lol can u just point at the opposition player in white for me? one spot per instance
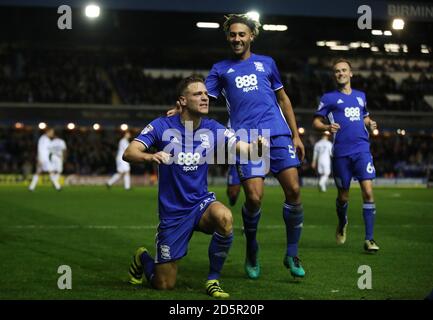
(123, 167)
(322, 160)
(44, 164)
(57, 156)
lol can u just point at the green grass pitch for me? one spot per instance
(95, 231)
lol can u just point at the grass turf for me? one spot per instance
(95, 231)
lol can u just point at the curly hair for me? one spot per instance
(244, 19)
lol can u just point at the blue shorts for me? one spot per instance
(358, 165)
(232, 176)
(282, 156)
(174, 234)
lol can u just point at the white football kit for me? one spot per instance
(44, 162)
(122, 166)
(57, 147)
(322, 154)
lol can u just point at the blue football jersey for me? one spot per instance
(349, 111)
(248, 87)
(183, 183)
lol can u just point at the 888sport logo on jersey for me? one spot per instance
(188, 160)
(247, 82)
(353, 113)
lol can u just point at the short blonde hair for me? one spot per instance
(244, 19)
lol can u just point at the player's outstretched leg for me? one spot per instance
(142, 263)
(251, 212)
(368, 213)
(233, 193)
(251, 221)
(218, 250)
(217, 220)
(293, 214)
(54, 181)
(341, 231)
(34, 182)
(322, 183)
(293, 217)
(127, 181)
(113, 179)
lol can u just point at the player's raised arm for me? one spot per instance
(289, 115)
(136, 152)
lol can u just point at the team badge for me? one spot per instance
(259, 66)
(147, 129)
(204, 141)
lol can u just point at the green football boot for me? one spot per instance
(295, 267)
(252, 271)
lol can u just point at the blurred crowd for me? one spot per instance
(88, 152)
(51, 76)
(93, 153)
(120, 77)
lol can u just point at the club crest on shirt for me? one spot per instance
(147, 129)
(360, 101)
(165, 252)
(259, 66)
(204, 141)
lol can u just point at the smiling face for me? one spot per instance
(342, 73)
(240, 37)
(195, 99)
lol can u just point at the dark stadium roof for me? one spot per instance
(37, 26)
(312, 8)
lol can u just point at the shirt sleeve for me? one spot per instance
(365, 112)
(149, 136)
(324, 107)
(213, 83)
(275, 77)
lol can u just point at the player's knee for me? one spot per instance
(368, 196)
(254, 200)
(233, 194)
(343, 196)
(225, 222)
(293, 194)
(164, 284)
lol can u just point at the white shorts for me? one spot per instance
(57, 165)
(122, 166)
(324, 169)
(45, 166)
